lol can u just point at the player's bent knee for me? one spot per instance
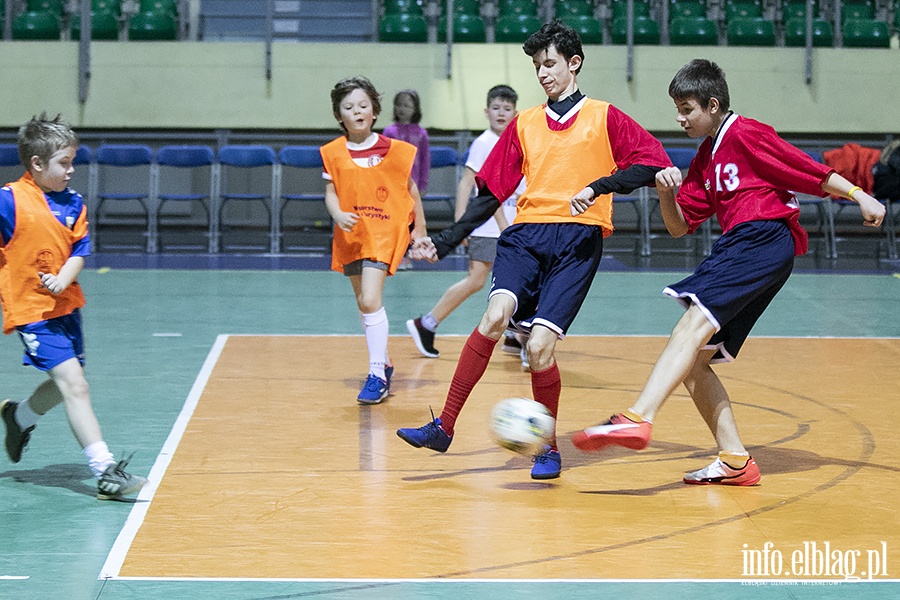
(540, 356)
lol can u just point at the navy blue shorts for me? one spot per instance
(52, 342)
(547, 268)
(737, 281)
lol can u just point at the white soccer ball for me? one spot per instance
(522, 425)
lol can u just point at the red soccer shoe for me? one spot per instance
(618, 431)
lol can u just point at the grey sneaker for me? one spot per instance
(115, 483)
(16, 437)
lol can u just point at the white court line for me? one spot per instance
(123, 542)
(135, 519)
(9, 577)
(774, 580)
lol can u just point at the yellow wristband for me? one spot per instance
(853, 189)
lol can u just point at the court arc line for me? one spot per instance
(868, 448)
(348, 580)
(116, 557)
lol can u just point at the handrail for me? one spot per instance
(84, 51)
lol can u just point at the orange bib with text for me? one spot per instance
(380, 196)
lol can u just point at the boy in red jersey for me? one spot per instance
(546, 260)
(43, 242)
(742, 174)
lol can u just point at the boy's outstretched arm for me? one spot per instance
(667, 182)
(872, 210)
(479, 209)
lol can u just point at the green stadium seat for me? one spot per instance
(152, 26)
(646, 31)
(403, 27)
(796, 10)
(110, 6)
(36, 26)
(574, 8)
(741, 10)
(169, 6)
(745, 31)
(795, 32)
(620, 9)
(686, 8)
(403, 7)
(54, 7)
(515, 29)
(104, 26)
(588, 27)
(466, 29)
(859, 33)
(693, 31)
(466, 7)
(517, 7)
(851, 11)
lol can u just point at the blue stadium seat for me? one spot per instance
(301, 169)
(446, 159)
(173, 188)
(255, 165)
(124, 195)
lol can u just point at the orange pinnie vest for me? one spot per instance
(39, 243)
(380, 196)
(559, 164)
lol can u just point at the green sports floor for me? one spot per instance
(149, 331)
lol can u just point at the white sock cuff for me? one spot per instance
(375, 318)
(25, 416)
(99, 457)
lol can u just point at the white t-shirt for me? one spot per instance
(478, 153)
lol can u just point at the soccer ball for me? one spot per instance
(522, 425)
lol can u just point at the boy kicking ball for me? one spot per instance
(742, 173)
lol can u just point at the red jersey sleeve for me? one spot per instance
(502, 170)
(632, 144)
(692, 197)
(782, 165)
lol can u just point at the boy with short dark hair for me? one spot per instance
(547, 260)
(500, 110)
(742, 173)
(43, 242)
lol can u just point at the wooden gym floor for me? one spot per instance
(237, 392)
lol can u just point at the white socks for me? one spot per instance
(99, 458)
(376, 328)
(429, 322)
(26, 417)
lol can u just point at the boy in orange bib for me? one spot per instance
(372, 200)
(546, 260)
(43, 242)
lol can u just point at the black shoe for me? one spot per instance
(16, 437)
(511, 344)
(423, 338)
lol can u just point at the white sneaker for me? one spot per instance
(720, 473)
